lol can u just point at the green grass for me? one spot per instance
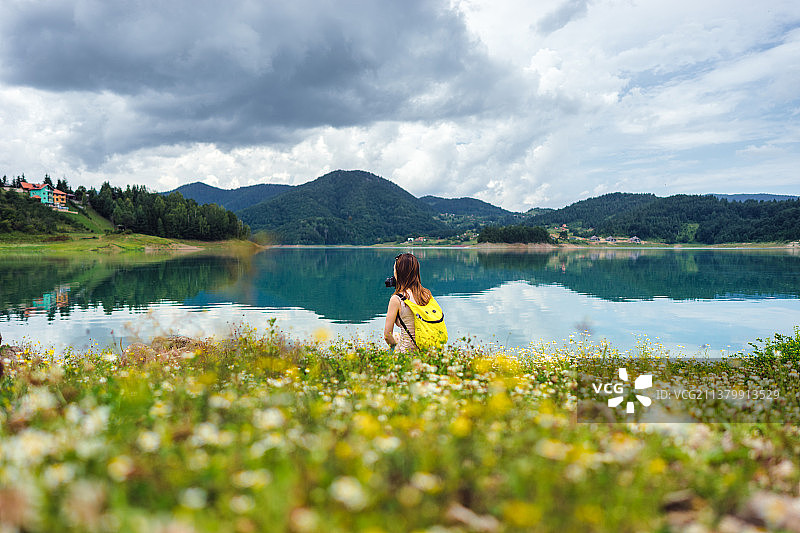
(96, 239)
(259, 433)
(92, 220)
(78, 244)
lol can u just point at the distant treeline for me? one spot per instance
(709, 220)
(141, 211)
(680, 218)
(514, 234)
(19, 212)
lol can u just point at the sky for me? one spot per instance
(521, 103)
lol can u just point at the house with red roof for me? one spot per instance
(43, 191)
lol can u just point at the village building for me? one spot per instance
(49, 196)
(42, 191)
(60, 198)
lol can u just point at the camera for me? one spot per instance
(391, 282)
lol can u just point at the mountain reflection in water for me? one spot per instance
(345, 285)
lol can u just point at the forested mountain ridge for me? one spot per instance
(592, 212)
(344, 207)
(463, 206)
(231, 199)
(759, 197)
(708, 220)
(679, 218)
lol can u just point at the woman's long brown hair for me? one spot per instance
(407, 267)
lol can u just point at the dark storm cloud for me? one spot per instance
(245, 72)
(566, 12)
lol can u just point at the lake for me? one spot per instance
(694, 301)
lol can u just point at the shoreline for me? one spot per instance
(148, 244)
(553, 247)
(115, 244)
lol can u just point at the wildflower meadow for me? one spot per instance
(258, 432)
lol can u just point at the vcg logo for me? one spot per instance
(645, 381)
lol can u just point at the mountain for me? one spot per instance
(679, 218)
(344, 207)
(709, 220)
(231, 199)
(592, 212)
(463, 206)
(760, 197)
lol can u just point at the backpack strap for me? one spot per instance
(403, 299)
(419, 311)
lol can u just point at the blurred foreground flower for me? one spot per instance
(120, 467)
(84, 504)
(322, 334)
(148, 441)
(349, 492)
(193, 498)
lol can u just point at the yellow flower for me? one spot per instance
(589, 514)
(322, 334)
(343, 450)
(367, 424)
(522, 514)
(481, 365)
(461, 426)
(507, 365)
(499, 403)
(657, 466)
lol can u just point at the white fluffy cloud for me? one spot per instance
(518, 103)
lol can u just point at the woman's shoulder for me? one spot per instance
(407, 296)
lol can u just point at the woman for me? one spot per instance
(406, 273)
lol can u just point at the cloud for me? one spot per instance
(516, 103)
(562, 16)
(243, 72)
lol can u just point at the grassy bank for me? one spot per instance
(82, 243)
(256, 433)
(91, 219)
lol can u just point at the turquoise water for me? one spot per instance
(692, 300)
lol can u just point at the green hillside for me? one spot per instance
(463, 206)
(89, 218)
(593, 212)
(679, 218)
(708, 220)
(344, 207)
(21, 214)
(464, 215)
(231, 199)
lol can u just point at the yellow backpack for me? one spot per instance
(429, 328)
